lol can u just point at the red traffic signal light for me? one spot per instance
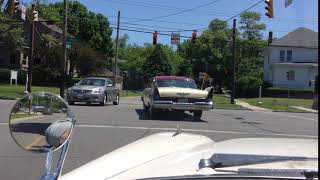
(269, 8)
(16, 6)
(155, 37)
(194, 36)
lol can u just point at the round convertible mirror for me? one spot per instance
(41, 122)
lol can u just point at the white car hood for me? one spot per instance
(163, 154)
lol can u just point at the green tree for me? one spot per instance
(91, 28)
(250, 26)
(249, 58)
(11, 33)
(157, 64)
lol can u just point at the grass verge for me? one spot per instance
(223, 102)
(280, 104)
(129, 93)
(13, 92)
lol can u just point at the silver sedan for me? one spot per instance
(93, 90)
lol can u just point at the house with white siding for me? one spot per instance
(292, 61)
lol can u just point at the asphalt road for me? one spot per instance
(100, 130)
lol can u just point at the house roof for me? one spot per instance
(53, 27)
(301, 37)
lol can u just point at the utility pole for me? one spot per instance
(64, 49)
(234, 61)
(31, 47)
(117, 53)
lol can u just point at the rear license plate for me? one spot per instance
(182, 100)
(80, 96)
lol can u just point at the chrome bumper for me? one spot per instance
(183, 106)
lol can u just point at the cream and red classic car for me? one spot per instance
(176, 93)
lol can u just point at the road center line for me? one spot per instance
(195, 130)
(191, 130)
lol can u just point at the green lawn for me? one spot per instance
(12, 92)
(9, 92)
(221, 101)
(280, 104)
(124, 93)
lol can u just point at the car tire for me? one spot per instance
(197, 114)
(88, 103)
(70, 102)
(104, 101)
(117, 100)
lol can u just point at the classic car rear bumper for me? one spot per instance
(182, 106)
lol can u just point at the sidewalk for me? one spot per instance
(305, 109)
(246, 105)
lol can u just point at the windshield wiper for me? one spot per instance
(220, 160)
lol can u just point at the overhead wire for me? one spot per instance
(179, 12)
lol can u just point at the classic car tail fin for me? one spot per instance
(210, 92)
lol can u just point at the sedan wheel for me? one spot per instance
(117, 100)
(104, 101)
(70, 102)
(197, 114)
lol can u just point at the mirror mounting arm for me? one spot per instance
(57, 172)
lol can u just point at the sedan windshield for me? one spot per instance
(92, 82)
(183, 83)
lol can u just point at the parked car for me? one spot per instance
(93, 90)
(176, 93)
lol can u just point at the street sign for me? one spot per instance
(287, 3)
(13, 76)
(23, 12)
(72, 40)
(175, 38)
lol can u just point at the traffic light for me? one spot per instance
(34, 15)
(287, 75)
(194, 36)
(269, 8)
(16, 6)
(155, 37)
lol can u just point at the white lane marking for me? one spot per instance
(195, 130)
(280, 114)
(192, 130)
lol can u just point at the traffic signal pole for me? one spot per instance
(117, 53)
(64, 49)
(31, 47)
(234, 62)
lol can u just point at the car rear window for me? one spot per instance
(92, 82)
(183, 83)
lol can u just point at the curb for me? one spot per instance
(233, 108)
(294, 112)
(9, 98)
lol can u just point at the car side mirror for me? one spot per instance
(109, 85)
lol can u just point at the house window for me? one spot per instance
(290, 75)
(289, 55)
(282, 54)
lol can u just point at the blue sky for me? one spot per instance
(301, 13)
